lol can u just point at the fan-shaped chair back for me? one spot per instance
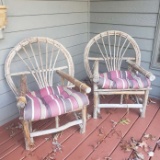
(112, 47)
(39, 57)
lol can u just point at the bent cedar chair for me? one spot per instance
(42, 60)
(112, 62)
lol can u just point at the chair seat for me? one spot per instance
(50, 102)
(123, 80)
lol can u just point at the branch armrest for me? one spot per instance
(74, 81)
(96, 72)
(141, 70)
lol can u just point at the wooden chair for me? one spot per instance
(42, 60)
(112, 62)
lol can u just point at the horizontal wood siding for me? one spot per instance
(65, 21)
(135, 17)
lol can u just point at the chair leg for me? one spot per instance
(145, 103)
(121, 98)
(30, 129)
(84, 119)
(96, 102)
(57, 121)
(26, 130)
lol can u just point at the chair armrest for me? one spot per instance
(141, 70)
(74, 81)
(96, 72)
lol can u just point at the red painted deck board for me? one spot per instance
(78, 146)
(104, 149)
(137, 131)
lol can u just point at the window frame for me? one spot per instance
(156, 46)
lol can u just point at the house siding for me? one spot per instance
(73, 23)
(135, 17)
(65, 21)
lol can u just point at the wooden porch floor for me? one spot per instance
(102, 140)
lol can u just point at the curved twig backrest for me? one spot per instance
(113, 47)
(39, 57)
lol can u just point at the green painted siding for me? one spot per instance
(65, 21)
(135, 17)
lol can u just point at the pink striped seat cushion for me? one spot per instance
(122, 80)
(49, 102)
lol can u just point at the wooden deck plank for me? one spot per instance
(108, 146)
(156, 154)
(77, 139)
(47, 147)
(18, 147)
(17, 139)
(39, 141)
(136, 131)
(80, 137)
(4, 133)
(153, 129)
(93, 139)
(76, 146)
(7, 130)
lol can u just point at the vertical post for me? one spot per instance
(84, 119)
(30, 129)
(145, 103)
(96, 101)
(28, 141)
(121, 99)
(57, 121)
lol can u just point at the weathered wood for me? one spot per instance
(26, 129)
(80, 85)
(102, 59)
(45, 70)
(145, 101)
(120, 92)
(112, 47)
(120, 105)
(3, 16)
(96, 71)
(55, 130)
(21, 99)
(39, 56)
(112, 58)
(57, 121)
(84, 119)
(96, 101)
(141, 70)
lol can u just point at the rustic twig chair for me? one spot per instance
(39, 59)
(119, 72)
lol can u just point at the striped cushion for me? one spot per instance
(122, 80)
(49, 102)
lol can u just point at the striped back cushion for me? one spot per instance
(122, 80)
(49, 102)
